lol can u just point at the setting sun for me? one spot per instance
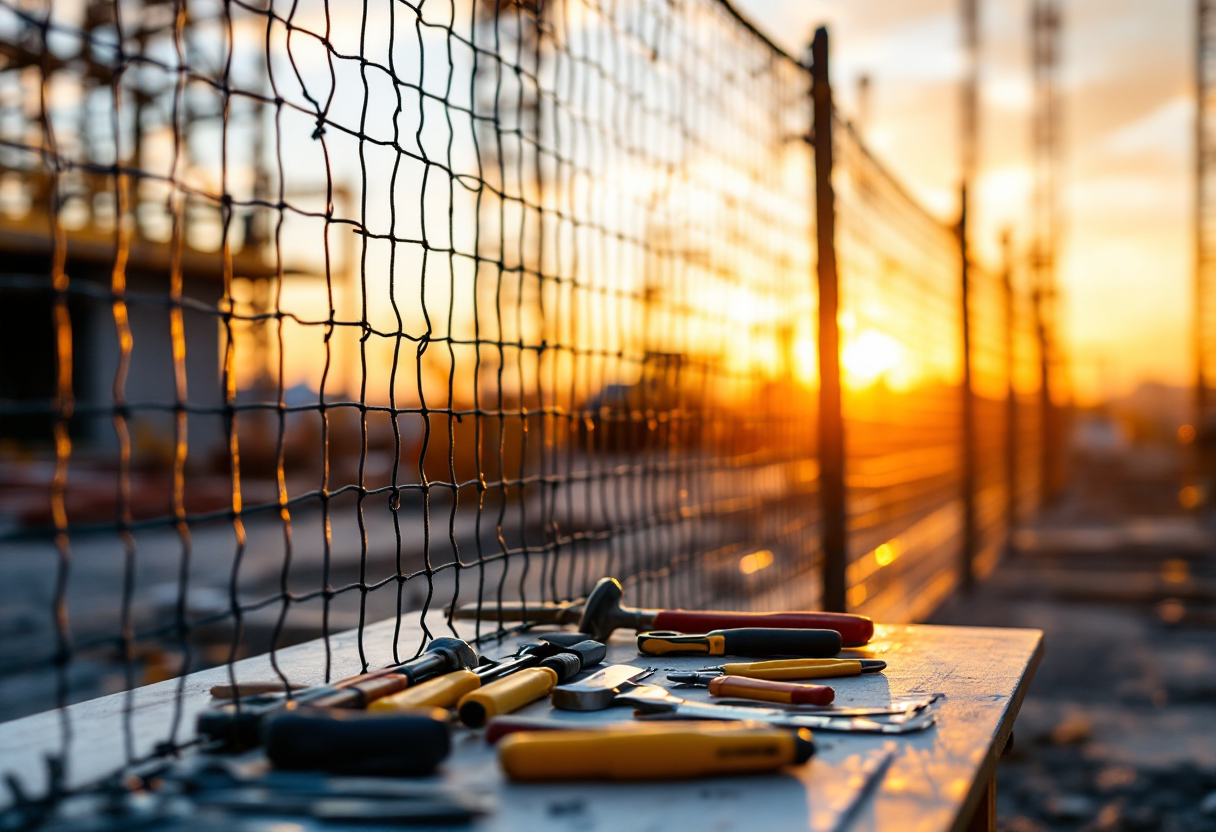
(871, 356)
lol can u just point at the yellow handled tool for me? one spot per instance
(443, 692)
(799, 668)
(506, 695)
(669, 752)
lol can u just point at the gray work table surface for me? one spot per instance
(934, 783)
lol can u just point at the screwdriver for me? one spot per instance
(441, 655)
(741, 687)
(667, 752)
(447, 691)
(749, 641)
(799, 668)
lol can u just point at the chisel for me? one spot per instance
(761, 690)
(783, 669)
(668, 752)
(602, 612)
(741, 642)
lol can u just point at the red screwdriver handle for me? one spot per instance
(854, 629)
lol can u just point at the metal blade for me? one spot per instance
(818, 722)
(516, 611)
(652, 699)
(822, 710)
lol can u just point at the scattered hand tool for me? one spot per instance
(506, 695)
(597, 692)
(652, 699)
(352, 742)
(441, 656)
(244, 689)
(447, 691)
(741, 642)
(326, 798)
(784, 669)
(762, 690)
(602, 612)
(666, 753)
(239, 726)
(898, 709)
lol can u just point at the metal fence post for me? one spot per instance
(1046, 427)
(831, 418)
(1011, 394)
(968, 550)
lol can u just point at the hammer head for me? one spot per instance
(602, 609)
(460, 654)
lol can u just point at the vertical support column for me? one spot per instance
(970, 541)
(831, 415)
(1205, 207)
(1046, 414)
(1011, 394)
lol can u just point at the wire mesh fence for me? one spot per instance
(901, 361)
(315, 316)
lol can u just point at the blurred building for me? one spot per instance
(90, 120)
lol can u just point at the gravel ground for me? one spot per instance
(1118, 731)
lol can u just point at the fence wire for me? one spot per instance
(901, 364)
(342, 313)
(316, 315)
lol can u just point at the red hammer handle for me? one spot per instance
(854, 629)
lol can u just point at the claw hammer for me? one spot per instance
(602, 612)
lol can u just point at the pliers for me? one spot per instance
(783, 669)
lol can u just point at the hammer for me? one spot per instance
(602, 612)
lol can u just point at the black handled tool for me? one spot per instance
(743, 642)
(564, 656)
(355, 742)
(522, 686)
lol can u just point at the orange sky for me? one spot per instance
(1127, 195)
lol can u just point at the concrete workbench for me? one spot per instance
(940, 779)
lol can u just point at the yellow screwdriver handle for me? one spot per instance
(673, 753)
(442, 692)
(506, 695)
(681, 645)
(799, 669)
